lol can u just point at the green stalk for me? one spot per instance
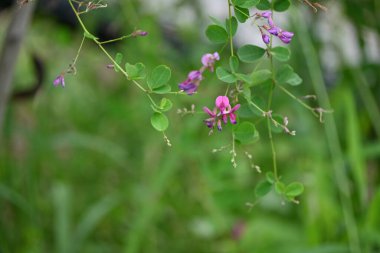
(341, 179)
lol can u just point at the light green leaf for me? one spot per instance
(279, 187)
(294, 189)
(263, 5)
(162, 89)
(270, 177)
(166, 104)
(159, 76)
(136, 71)
(159, 121)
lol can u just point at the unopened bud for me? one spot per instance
(139, 33)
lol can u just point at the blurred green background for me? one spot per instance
(82, 170)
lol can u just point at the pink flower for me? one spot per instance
(190, 85)
(208, 60)
(225, 111)
(59, 80)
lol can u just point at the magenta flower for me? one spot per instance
(59, 80)
(208, 60)
(266, 14)
(225, 111)
(190, 85)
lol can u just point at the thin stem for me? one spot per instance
(79, 50)
(117, 39)
(230, 30)
(298, 100)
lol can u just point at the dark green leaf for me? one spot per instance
(234, 26)
(242, 14)
(281, 5)
(225, 76)
(250, 53)
(159, 121)
(159, 76)
(245, 111)
(287, 75)
(246, 133)
(262, 188)
(263, 5)
(260, 76)
(234, 63)
(216, 34)
(281, 53)
(246, 3)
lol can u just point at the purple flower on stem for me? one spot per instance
(266, 38)
(208, 60)
(225, 111)
(190, 85)
(266, 14)
(59, 80)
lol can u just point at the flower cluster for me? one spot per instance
(191, 84)
(271, 28)
(225, 111)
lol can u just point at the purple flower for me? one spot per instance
(266, 38)
(287, 34)
(190, 85)
(266, 14)
(225, 111)
(208, 60)
(59, 80)
(274, 30)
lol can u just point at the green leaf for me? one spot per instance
(260, 76)
(246, 92)
(118, 60)
(136, 71)
(162, 89)
(216, 34)
(246, 3)
(90, 36)
(294, 189)
(270, 177)
(279, 187)
(159, 121)
(225, 76)
(286, 75)
(250, 53)
(234, 25)
(281, 53)
(234, 64)
(262, 188)
(243, 77)
(245, 111)
(166, 104)
(159, 76)
(281, 5)
(242, 14)
(217, 22)
(263, 5)
(246, 133)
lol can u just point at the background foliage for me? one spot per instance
(82, 170)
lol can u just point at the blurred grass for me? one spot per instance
(81, 169)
